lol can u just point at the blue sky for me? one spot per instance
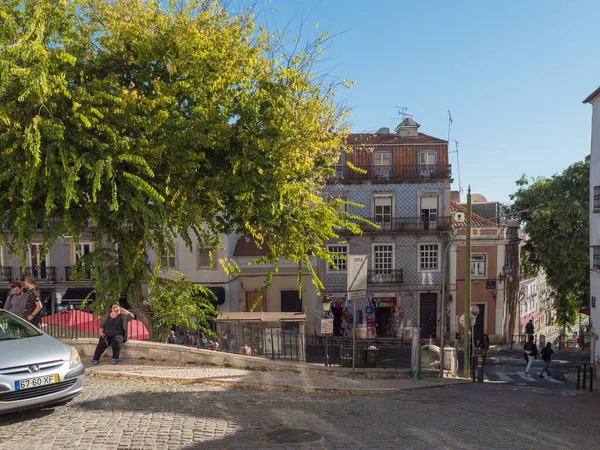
(513, 74)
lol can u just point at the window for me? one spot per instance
(167, 258)
(340, 260)
(383, 258)
(478, 265)
(38, 261)
(81, 250)
(204, 259)
(383, 162)
(383, 210)
(429, 208)
(427, 163)
(596, 197)
(341, 199)
(340, 166)
(596, 257)
(428, 256)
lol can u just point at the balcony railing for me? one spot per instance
(392, 173)
(5, 273)
(70, 274)
(596, 257)
(42, 273)
(407, 224)
(385, 276)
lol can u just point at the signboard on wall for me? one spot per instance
(326, 326)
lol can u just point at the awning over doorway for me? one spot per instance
(262, 317)
(219, 293)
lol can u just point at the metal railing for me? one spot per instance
(267, 342)
(385, 276)
(45, 273)
(5, 273)
(70, 273)
(392, 173)
(407, 224)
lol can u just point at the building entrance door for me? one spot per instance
(428, 316)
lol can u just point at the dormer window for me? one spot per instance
(459, 217)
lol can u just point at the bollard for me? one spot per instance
(584, 374)
(591, 377)
(578, 375)
(415, 366)
(480, 368)
(473, 367)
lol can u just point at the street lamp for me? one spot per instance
(505, 274)
(326, 304)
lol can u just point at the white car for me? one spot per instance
(35, 369)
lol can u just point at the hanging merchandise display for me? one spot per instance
(371, 324)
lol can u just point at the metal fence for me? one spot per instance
(271, 342)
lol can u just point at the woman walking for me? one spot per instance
(113, 332)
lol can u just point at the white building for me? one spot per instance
(594, 100)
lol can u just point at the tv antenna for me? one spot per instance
(457, 164)
(402, 113)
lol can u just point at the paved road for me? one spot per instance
(134, 414)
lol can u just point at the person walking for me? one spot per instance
(113, 332)
(529, 329)
(546, 353)
(484, 346)
(16, 300)
(33, 305)
(530, 351)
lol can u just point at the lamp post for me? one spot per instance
(326, 306)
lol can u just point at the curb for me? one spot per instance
(259, 387)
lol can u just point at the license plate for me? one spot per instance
(37, 381)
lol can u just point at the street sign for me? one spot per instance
(326, 326)
(357, 273)
(357, 295)
(461, 320)
(474, 311)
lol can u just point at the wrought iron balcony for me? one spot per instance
(5, 273)
(407, 224)
(45, 273)
(596, 257)
(70, 274)
(390, 174)
(381, 276)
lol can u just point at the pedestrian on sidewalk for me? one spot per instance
(34, 301)
(530, 351)
(547, 353)
(113, 332)
(529, 329)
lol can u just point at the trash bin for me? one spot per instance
(346, 355)
(371, 356)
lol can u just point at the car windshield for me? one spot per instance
(12, 327)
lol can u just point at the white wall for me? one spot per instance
(595, 226)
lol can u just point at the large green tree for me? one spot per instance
(554, 214)
(145, 119)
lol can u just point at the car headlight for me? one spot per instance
(75, 359)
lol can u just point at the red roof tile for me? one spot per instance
(391, 139)
(590, 98)
(476, 219)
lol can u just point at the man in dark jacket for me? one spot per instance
(529, 328)
(547, 353)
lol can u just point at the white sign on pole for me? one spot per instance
(357, 295)
(326, 326)
(357, 273)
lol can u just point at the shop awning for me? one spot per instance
(78, 294)
(262, 317)
(219, 293)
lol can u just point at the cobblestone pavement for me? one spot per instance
(134, 414)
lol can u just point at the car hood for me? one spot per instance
(33, 350)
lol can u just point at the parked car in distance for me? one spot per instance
(35, 369)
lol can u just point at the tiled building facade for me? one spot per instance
(405, 190)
